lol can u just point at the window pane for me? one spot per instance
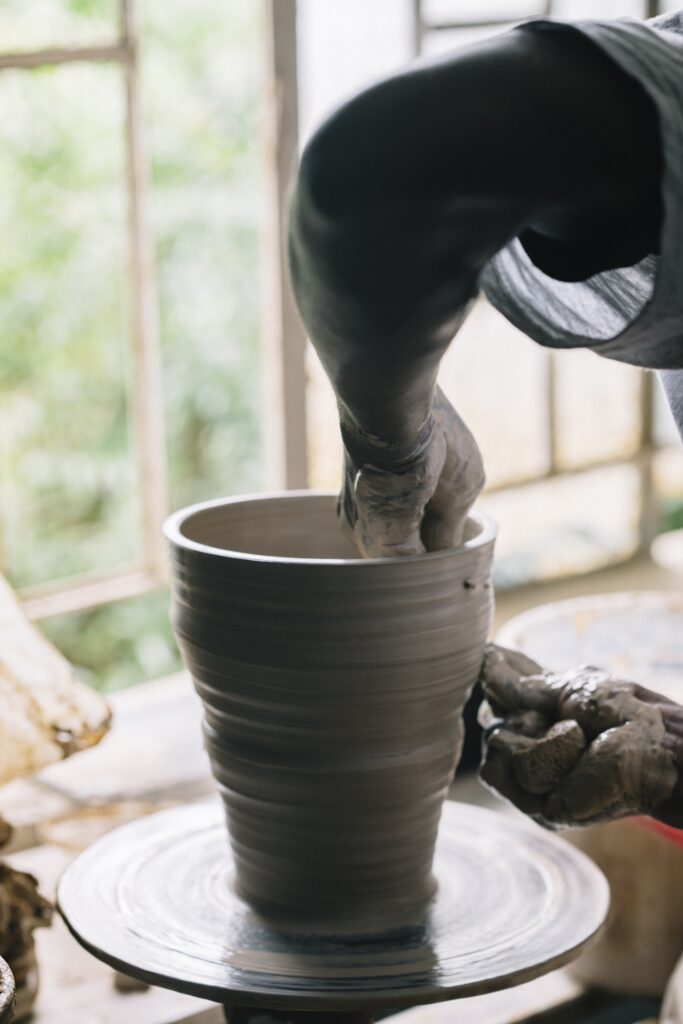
(515, 10)
(667, 472)
(597, 403)
(322, 426)
(119, 644)
(565, 526)
(202, 76)
(476, 10)
(344, 46)
(509, 12)
(66, 472)
(495, 378)
(436, 43)
(608, 9)
(40, 24)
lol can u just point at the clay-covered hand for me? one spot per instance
(418, 502)
(579, 747)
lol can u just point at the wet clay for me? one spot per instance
(594, 746)
(540, 766)
(333, 689)
(419, 503)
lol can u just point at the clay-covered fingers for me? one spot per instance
(595, 789)
(444, 519)
(524, 769)
(384, 507)
(556, 779)
(420, 504)
(595, 699)
(626, 770)
(503, 662)
(501, 745)
(388, 512)
(565, 777)
(459, 483)
(379, 511)
(515, 684)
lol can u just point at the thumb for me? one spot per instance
(443, 525)
(594, 791)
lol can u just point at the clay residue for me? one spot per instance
(542, 764)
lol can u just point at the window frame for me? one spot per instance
(283, 340)
(643, 455)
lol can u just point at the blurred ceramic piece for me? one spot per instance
(46, 713)
(333, 690)
(666, 550)
(6, 994)
(637, 636)
(22, 910)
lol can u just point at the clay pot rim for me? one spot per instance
(173, 531)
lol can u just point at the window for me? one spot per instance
(131, 190)
(150, 354)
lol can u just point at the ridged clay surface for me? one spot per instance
(333, 690)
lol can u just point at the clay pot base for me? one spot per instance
(153, 899)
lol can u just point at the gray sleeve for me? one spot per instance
(633, 314)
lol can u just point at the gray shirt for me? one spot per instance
(633, 314)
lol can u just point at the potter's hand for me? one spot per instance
(419, 503)
(579, 747)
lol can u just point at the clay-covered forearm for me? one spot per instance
(405, 193)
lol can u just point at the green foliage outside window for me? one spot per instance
(69, 493)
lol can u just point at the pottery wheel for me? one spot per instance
(154, 899)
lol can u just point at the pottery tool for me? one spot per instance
(155, 900)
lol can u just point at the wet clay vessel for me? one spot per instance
(333, 689)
